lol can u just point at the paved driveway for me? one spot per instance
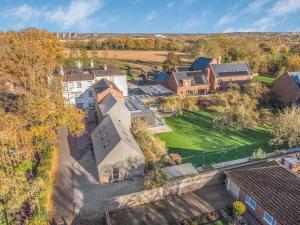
(77, 196)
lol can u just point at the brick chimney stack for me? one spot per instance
(219, 60)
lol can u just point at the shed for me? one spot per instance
(178, 171)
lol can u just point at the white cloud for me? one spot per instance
(256, 6)
(263, 24)
(284, 7)
(151, 16)
(226, 20)
(171, 4)
(77, 13)
(192, 23)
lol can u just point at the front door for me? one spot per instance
(116, 173)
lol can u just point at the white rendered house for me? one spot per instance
(78, 83)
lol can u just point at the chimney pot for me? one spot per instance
(92, 64)
(105, 67)
(79, 64)
(219, 61)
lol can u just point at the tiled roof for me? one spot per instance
(231, 69)
(197, 77)
(78, 77)
(108, 72)
(200, 64)
(274, 188)
(103, 84)
(161, 78)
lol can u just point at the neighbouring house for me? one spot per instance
(139, 111)
(116, 152)
(286, 88)
(77, 83)
(188, 83)
(111, 105)
(221, 75)
(270, 192)
(292, 163)
(161, 78)
(202, 63)
(104, 87)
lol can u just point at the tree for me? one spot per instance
(28, 123)
(155, 178)
(286, 127)
(171, 62)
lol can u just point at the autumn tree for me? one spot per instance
(286, 127)
(171, 62)
(28, 123)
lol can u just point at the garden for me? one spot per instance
(195, 140)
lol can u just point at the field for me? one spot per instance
(144, 56)
(197, 142)
(264, 79)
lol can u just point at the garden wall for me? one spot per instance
(174, 187)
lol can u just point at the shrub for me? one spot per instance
(259, 154)
(239, 208)
(155, 179)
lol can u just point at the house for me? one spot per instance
(116, 152)
(202, 63)
(77, 83)
(220, 75)
(286, 88)
(111, 105)
(291, 163)
(270, 192)
(188, 83)
(139, 111)
(104, 87)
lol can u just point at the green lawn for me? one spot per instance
(197, 142)
(264, 79)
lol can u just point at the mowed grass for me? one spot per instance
(264, 79)
(197, 142)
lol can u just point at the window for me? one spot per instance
(106, 143)
(71, 85)
(78, 84)
(220, 81)
(269, 219)
(80, 105)
(91, 105)
(90, 93)
(104, 136)
(250, 202)
(116, 173)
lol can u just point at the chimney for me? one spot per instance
(92, 64)
(104, 67)
(62, 70)
(219, 60)
(78, 64)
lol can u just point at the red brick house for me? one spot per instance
(104, 87)
(286, 88)
(188, 83)
(220, 75)
(270, 192)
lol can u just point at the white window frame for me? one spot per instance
(269, 219)
(78, 84)
(90, 93)
(70, 85)
(250, 202)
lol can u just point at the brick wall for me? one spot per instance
(258, 212)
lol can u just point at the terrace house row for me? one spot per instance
(207, 75)
(77, 83)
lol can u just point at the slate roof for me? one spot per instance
(198, 77)
(295, 77)
(182, 68)
(108, 72)
(107, 103)
(274, 188)
(231, 69)
(111, 131)
(161, 78)
(104, 84)
(200, 64)
(155, 90)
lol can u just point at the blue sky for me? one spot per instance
(152, 16)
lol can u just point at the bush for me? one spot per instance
(239, 208)
(259, 154)
(155, 179)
